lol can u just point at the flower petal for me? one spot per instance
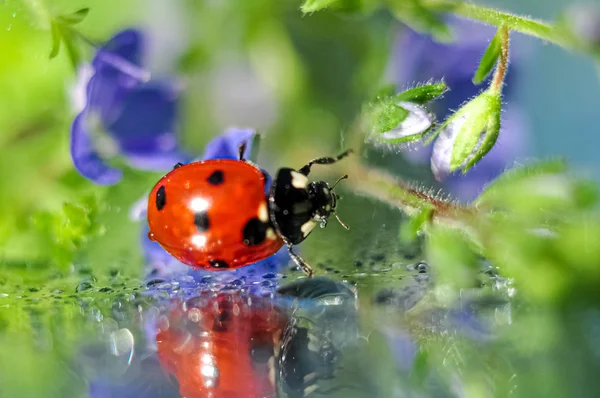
(85, 158)
(127, 44)
(143, 118)
(226, 146)
(117, 71)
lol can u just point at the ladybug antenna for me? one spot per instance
(338, 180)
(340, 221)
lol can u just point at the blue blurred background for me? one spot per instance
(559, 91)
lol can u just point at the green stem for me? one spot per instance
(502, 67)
(542, 30)
(398, 193)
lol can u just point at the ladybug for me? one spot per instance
(216, 214)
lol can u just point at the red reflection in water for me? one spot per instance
(222, 345)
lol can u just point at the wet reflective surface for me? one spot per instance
(373, 323)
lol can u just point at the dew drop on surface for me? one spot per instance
(122, 342)
(83, 286)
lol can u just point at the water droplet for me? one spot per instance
(154, 282)
(267, 283)
(122, 343)
(9, 27)
(83, 286)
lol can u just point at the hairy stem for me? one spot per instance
(502, 67)
(542, 30)
(387, 188)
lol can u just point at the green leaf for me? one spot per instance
(383, 92)
(452, 250)
(515, 176)
(316, 5)
(342, 7)
(423, 94)
(409, 230)
(386, 116)
(421, 19)
(490, 56)
(73, 18)
(71, 46)
(56, 39)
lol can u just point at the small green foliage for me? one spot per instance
(343, 6)
(410, 230)
(452, 250)
(421, 19)
(489, 59)
(73, 18)
(517, 175)
(385, 91)
(385, 115)
(541, 192)
(423, 94)
(316, 5)
(56, 38)
(69, 228)
(62, 31)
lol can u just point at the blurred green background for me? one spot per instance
(301, 80)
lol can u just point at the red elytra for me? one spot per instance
(213, 214)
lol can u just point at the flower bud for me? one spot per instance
(468, 135)
(403, 119)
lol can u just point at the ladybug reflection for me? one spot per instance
(214, 214)
(222, 345)
(232, 344)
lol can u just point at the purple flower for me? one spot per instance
(419, 58)
(123, 112)
(162, 265)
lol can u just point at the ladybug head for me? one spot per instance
(298, 205)
(324, 200)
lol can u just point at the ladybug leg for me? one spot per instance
(241, 150)
(299, 261)
(326, 160)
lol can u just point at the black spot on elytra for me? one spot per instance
(216, 178)
(218, 263)
(255, 232)
(201, 220)
(161, 198)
